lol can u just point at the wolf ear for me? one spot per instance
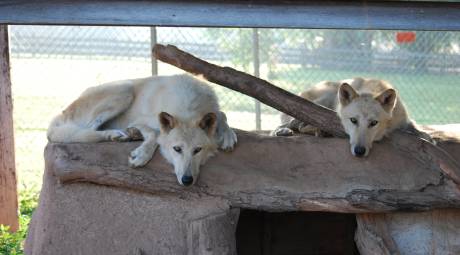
(209, 123)
(387, 99)
(167, 122)
(347, 94)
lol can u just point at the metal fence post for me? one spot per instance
(256, 61)
(153, 41)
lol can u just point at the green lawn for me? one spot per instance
(13, 243)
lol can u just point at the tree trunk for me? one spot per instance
(274, 174)
(8, 193)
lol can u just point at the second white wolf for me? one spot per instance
(369, 109)
(179, 113)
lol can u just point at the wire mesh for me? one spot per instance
(52, 65)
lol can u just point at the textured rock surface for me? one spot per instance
(421, 233)
(93, 219)
(145, 211)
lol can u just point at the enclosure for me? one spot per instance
(418, 52)
(44, 60)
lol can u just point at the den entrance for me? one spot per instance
(295, 233)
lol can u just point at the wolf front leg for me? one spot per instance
(144, 153)
(225, 136)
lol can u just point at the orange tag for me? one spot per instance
(405, 37)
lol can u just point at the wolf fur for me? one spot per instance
(179, 113)
(368, 109)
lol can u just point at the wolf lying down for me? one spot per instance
(179, 113)
(368, 109)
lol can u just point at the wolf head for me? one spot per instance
(364, 116)
(187, 145)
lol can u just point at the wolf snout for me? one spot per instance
(359, 151)
(187, 180)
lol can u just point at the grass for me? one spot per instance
(13, 243)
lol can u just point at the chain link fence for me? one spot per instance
(52, 65)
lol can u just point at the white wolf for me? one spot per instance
(179, 113)
(369, 109)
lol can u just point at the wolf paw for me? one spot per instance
(309, 130)
(118, 135)
(228, 140)
(284, 131)
(139, 157)
(134, 134)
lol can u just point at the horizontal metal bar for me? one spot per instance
(294, 14)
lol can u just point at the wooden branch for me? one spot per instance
(262, 90)
(300, 108)
(8, 193)
(273, 174)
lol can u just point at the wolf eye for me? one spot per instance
(196, 150)
(177, 149)
(373, 123)
(354, 120)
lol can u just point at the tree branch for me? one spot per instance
(300, 108)
(262, 90)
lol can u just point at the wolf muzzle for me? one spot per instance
(187, 180)
(360, 151)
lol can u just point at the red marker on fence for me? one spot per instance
(405, 37)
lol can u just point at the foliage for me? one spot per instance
(238, 43)
(13, 243)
